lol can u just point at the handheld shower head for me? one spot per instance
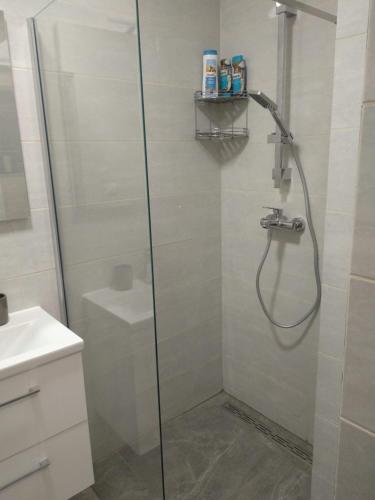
(267, 103)
(263, 99)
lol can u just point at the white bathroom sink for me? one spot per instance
(31, 338)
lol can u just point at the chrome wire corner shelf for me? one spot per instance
(220, 134)
(219, 97)
(221, 123)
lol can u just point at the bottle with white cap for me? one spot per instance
(210, 79)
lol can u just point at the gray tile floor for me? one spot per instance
(210, 454)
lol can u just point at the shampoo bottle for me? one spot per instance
(239, 74)
(210, 79)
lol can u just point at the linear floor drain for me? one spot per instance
(305, 455)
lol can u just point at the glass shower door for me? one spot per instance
(88, 63)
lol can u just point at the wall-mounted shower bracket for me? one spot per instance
(279, 139)
(285, 9)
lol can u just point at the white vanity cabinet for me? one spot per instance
(45, 449)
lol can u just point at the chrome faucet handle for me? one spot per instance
(278, 212)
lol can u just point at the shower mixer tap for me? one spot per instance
(277, 220)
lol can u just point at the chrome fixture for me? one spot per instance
(266, 102)
(295, 4)
(285, 16)
(277, 220)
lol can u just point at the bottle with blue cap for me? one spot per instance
(210, 78)
(239, 75)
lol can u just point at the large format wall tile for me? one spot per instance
(95, 172)
(89, 49)
(86, 108)
(359, 376)
(174, 36)
(356, 478)
(353, 17)
(326, 436)
(342, 174)
(370, 67)
(349, 74)
(26, 245)
(364, 240)
(32, 289)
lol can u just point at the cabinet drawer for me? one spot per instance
(40, 403)
(65, 470)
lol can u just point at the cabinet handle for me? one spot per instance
(31, 392)
(43, 464)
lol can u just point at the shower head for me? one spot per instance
(267, 103)
(263, 99)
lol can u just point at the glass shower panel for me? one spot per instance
(184, 176)
(89, 71)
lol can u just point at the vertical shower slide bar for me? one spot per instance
(285, 16)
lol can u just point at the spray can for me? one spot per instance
(225, 77)
(210, 79)
(239, 74)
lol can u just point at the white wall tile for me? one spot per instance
(100, 231)
(337, 249)
(322, 489)
(363, 262)
(31, 290)
(356, 464)
(329, 387)
(349, 83)
(26, 104)
(359, 375)
(333, 321)
(342, 175)
(35, 174)
(326, 448)
(370, 67)
(87, 173)
(84, 108)
(177, 218)
(353, 17)
(74, 47)
(26, 245)
(182, 167)
(161, 41)
(169, 112)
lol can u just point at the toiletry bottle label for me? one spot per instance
(225, 80)
(211, 75)
(239, 74)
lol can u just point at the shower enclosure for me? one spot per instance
(192, 392)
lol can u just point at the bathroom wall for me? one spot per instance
(185, 201)
(336, 321)
(274, 370)
(357, 425)
(27, 267)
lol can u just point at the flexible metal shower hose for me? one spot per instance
(310, 224)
